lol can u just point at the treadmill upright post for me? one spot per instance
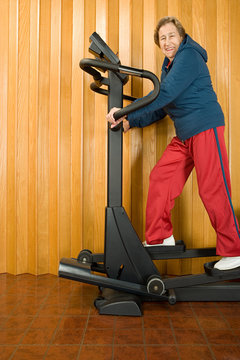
(114, 181)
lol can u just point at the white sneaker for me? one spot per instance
(228, 263)
(170, 241)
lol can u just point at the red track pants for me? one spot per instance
(171, 173)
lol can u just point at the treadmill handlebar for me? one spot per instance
(99, 90)
(88, 65)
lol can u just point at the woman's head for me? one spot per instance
(168, 35)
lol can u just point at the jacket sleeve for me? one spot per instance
(140, 120)
(184, 71)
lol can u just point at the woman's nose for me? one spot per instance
(167, 41)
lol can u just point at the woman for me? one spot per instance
(187, 96)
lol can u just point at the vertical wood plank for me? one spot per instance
(161, 126)
(222, 64)
(185, 200)
(125, 9)
(22, 136)
(65, 131)
(11, 254)
(43, 138)
(4, 18)
(199, 25)
(113, 25)
(77, 127)
(137, 134)
(149, 133)
(88, 134)
(234, 128)
(173, 10)
(54, 122)
(212, 39)
(174, 266)
(222, 84)
(33, 121)
(100, 155)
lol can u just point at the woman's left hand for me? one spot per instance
(111, 119)
(126, 125)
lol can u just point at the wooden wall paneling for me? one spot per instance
(113, 25)
(149, 133)
(54, 123)
(11, 254)
(22, 136)
(174, 266)
(32, 137)
(150, 140)
(88, 134)
(65, 131)
(212, 40)
(77, 127)
(222, 64)
(161, 126)
(186, 202)
(53, 130)
(136, 134)
(222, 67)
(100, 153)
(4, 26)
(125, 29)
(212, 24)
(234, 128)
(43, 137)
(173, 10)
(185, 14)
(198, 214)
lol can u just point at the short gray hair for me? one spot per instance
(165, 20)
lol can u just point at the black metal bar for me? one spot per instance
(199, 279)
(163, 253)
(221, 291)
(125, 257)
(201, 287)
(88, 65)
(100, 49)
(71, 269)
(114, 183)
(158, 253)
(99, 90)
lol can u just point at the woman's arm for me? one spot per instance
(184, 71)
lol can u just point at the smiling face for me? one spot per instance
(169, 40)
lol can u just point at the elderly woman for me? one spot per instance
(187, 96)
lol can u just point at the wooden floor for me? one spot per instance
(46, 317)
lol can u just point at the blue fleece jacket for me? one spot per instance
(186, 94)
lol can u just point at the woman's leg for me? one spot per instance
(166, 183)
(215, 188)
